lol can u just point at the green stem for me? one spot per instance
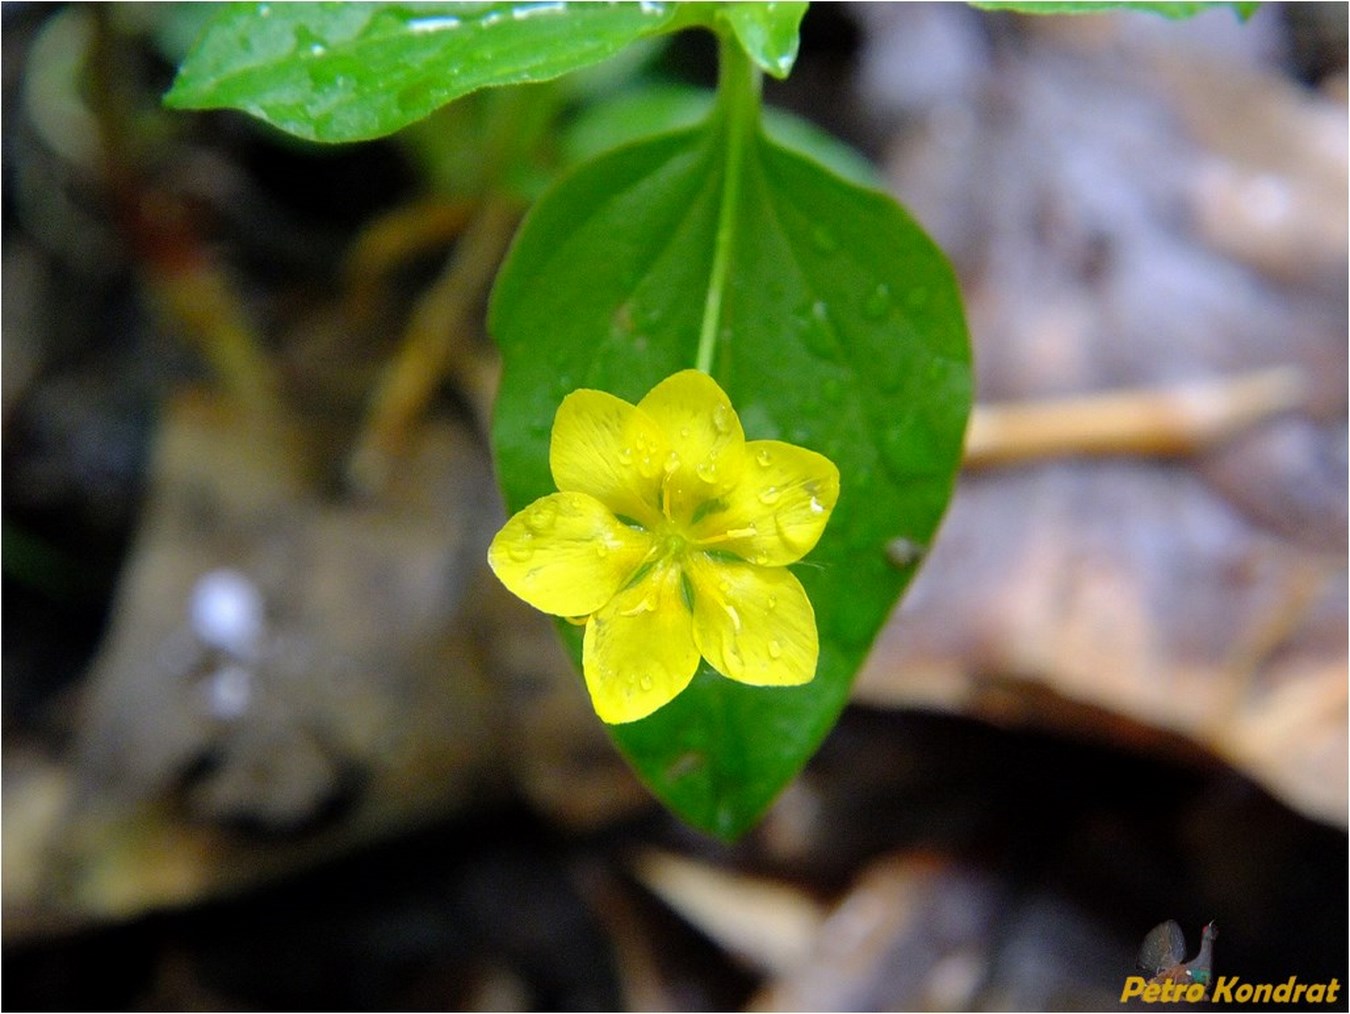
(738, 112)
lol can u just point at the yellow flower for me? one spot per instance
(671, 535)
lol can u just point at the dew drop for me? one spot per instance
(684, 432)
(775, 649)
(722, 418)
(817, 507)
(707, 471)
(823, 240)
(672, 462)
(904, 552)
(905, 450)
(888, 373)
(770, 495)
(878, 303)
(601, 550)
(761, 558)
(645, 683)
(542, 517)
(521, 551)
(626, 456)
(419, 26)
(764, 458)
(817, 332)
(772, 604)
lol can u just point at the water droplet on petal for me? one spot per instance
(672, 462)
(707, 471)
(817, 507)
(645, 683)
(626, 456)
(601, 550)
(772, 604)
(521, 551)
(764, 457)
(542, 517)
(722, 418)
(770, 495)
(775, 649)
(761, 558)
(684, 432)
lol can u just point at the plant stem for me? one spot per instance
(737, 110)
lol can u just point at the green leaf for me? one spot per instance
(659, 109)
(767, 32)
(840, 329)
(1175, 11)
(353, 71)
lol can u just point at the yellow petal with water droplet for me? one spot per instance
(638, 652)
(605, 447)
(547, 554)
(777, 511)
(754, 625)
(705, 435)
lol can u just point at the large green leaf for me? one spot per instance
(840, 329)
(353, 71)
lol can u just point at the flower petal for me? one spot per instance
(603, 446)
(567, 554)
(753, 624)
(776, 513)
(639, 652)
(705, 436)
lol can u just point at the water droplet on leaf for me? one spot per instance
(878, 303)
(823, 240)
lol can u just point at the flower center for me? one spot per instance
(672, 545)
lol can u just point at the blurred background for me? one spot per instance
(273, 738)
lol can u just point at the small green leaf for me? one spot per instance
(353, 71)
(1175, 11)
(767, 32)
(840, 329)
